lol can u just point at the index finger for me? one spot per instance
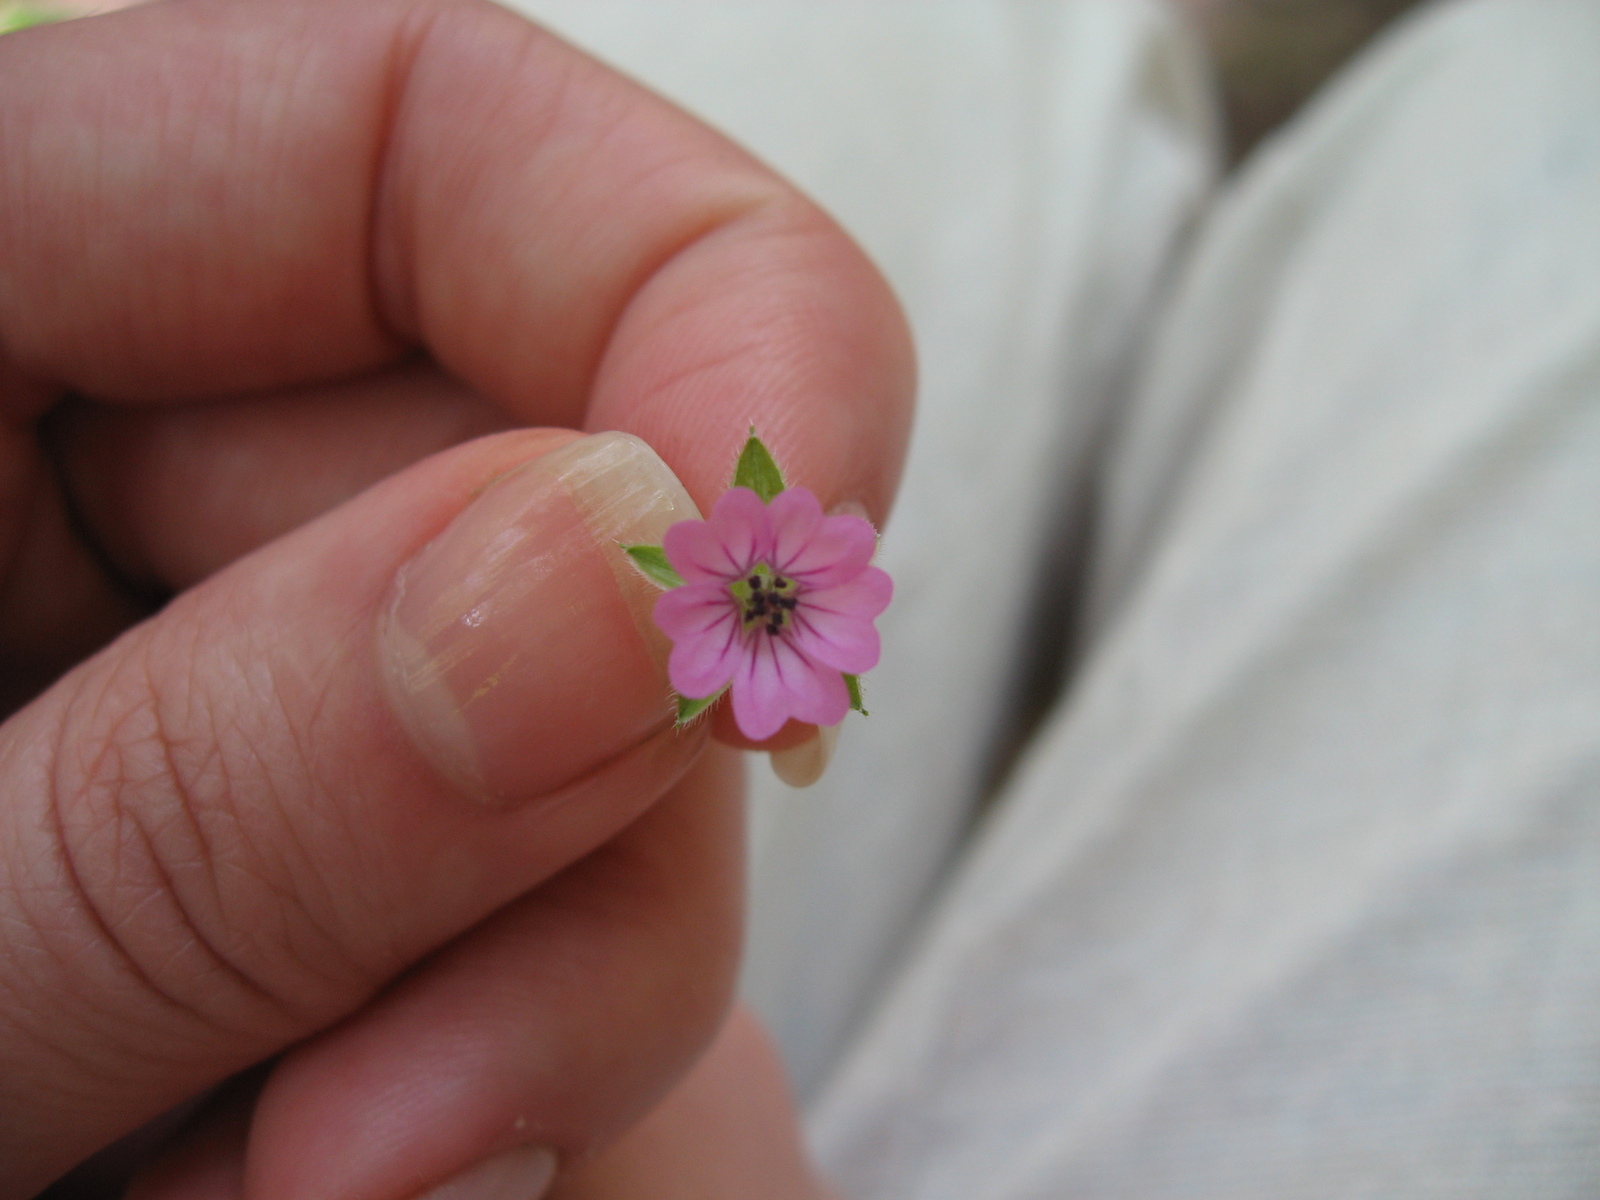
(212, 196)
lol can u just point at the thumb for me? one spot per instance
(227, 829)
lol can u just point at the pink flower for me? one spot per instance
(777, 601)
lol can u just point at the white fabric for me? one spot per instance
(1298, 894)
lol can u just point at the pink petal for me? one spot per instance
(696, 553)
(726, 544)
(834, 625)
(775, 682)
(838, 548)
(696, 675)
(760, 699)
(703, 622)
(795, 515)
(689, 611)
(817, 693)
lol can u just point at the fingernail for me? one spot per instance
(518, 646)
(521, 1174)
(801, 766)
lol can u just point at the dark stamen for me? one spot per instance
(763, 605)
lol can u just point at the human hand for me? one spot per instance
(728, 1131)
(414, 847)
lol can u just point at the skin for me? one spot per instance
(254, 261)
(729, 1129)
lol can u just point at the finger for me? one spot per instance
(57, 604)
(545, 1022)
(129, 505)
(205, 1160)
(176, 493)
(729, 1131)
(227, 829)
(555, 1025)
(55, 599)
(287, 193)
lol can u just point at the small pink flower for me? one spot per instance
(778, 602)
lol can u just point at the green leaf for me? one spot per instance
(689, 709)
(853, 683)
(20, 16)
(757, 471)
(653, 565)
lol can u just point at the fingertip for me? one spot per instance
(803, 765)
(556, 1022)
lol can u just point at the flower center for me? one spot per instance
(766, 599)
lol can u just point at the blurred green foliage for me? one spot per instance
(20, 16)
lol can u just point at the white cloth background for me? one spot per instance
(1298, 894)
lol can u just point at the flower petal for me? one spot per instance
(817, 693)
(775, 681)
(703, 623)
(689, 611)
(696, 553)
(846, 645)
(760, 700)
(834, 625)
(795, 516)
(697, 674)
(726, 544)
(838, 548)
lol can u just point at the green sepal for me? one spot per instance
(757, 471)
(853, 684)
(653, 565)
(21, 16)
(689, 709)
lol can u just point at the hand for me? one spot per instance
(402, 820)
(729, 1131)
